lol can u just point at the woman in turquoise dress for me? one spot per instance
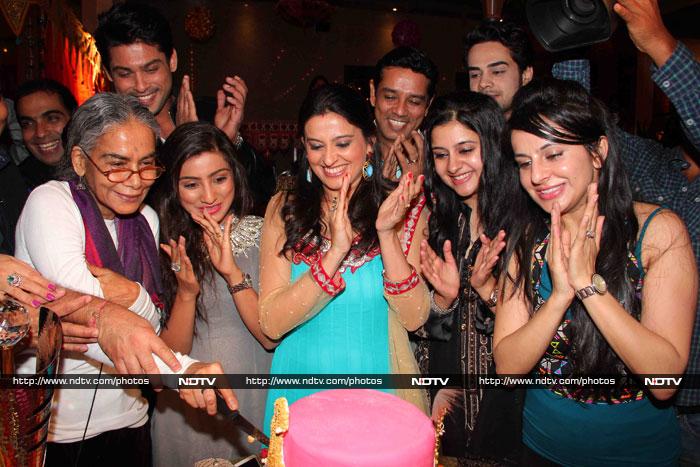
(599, 286)
(339, 286)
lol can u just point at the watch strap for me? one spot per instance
(585, 292)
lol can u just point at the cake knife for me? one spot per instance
(241, 421)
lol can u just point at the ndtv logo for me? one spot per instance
(430, 381)
(663, 381)
(193, 381)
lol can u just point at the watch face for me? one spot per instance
(599, 283)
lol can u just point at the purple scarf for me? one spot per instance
(137, 255)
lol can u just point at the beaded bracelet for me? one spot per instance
(328, 284)
(400, 287)
(440, 310)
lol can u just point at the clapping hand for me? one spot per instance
(186, 109)
(486, 259)
(181, 265)
(583, 250)
(394, 208)
(443, 274)
(218, 245)
(408, 152)
(230, 107)
(340, 226)
(558, 257)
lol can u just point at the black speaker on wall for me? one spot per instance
(567, 24)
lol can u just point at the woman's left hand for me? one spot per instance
(394, 208)
(218, 244)
(583, 250)
(115, 287)
(206, 398)
(187, 282)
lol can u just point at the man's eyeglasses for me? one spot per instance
(149, 172)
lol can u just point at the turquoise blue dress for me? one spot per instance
(350, 335)
(629, 430)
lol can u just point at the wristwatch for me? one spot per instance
(493, 298)
(598, 286)
(238, 140)
(246, 283)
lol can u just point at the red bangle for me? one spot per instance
(397, 288)
(331, 285)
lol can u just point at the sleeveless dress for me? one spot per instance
(351, 334)
(570, 427)
(183, 435)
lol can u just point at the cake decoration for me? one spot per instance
(279, 426)
(439, 431)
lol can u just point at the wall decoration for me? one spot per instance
(199, 23)
(305, 13)
(14, 12)
(406, 33)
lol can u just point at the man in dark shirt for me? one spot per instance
(44, 108)
(136, 46)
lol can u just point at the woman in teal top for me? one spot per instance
(338, 285)
(591, 277)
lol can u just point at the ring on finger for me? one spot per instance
(176, 267)
(14, 279)
(590, 234)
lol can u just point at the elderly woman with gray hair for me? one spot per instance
(92, 233)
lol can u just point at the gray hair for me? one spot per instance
(95, 117)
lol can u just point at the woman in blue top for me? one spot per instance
(338, 280)
(574, 304)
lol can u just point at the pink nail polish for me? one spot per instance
(36, 303)
(50, 296)
(52, 287)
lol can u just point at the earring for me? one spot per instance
(308, 175)
(81, 183)
(398, 172)
(367, 170)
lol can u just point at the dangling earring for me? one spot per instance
(398, 172)
(81, 183)
(308, 175)
(367, 170)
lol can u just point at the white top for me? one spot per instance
(50, 236)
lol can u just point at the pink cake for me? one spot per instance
(351, 427)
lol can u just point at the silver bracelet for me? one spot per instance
(438, 309)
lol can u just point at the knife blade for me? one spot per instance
(241, 421)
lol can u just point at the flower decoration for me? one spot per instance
(199, 23)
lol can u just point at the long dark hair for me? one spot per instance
(302, 208)
(563, 112)
(188, 141)
(482, 115)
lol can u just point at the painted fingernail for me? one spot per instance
(50, 296)
(36, 303)
(52, 286)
